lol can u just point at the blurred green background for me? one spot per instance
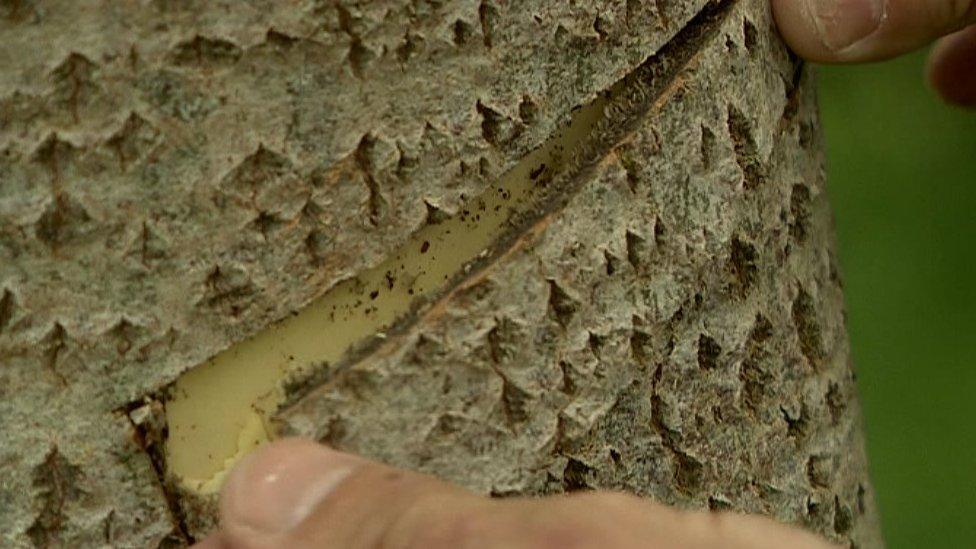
(902, 177)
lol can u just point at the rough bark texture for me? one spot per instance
(175, 175)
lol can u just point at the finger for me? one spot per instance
(601, 520)
(952, 67)
(210, 542)
(867, 30)
(297, 494)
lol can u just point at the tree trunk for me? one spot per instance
(666, 319)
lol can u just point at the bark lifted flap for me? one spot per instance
(219, 410)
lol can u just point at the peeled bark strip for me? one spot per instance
(174, 177)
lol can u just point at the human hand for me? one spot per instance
(842, 31)
(299, 495)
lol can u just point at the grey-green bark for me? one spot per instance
(177, 175)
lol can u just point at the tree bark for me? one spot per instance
(177, 175)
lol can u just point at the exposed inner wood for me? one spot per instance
(219, 410)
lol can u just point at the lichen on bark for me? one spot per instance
(176, 176)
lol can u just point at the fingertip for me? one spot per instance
(273, 490)
(951, 68)
(797, 29)
(830, 31)
(298, 494)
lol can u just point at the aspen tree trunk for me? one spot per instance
(177, 175)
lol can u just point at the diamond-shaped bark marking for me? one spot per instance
(743, 265)
(747, 155)
(435, 215)
(266, 223)
(74, 83)
(125, 333)
(317, 246)
(133, 140)
(808, 331)
(801, 210)
(708, 352)
(157, 346)
(366, 159)
(463, 31)
(53, 346)
(753, 374)
(410, 47)
(496, 128)
(361, 55)
(259, 169)
(64, 219)
(488, 17)
(56, 483)
(201, 51)
(149, 246)
(18, 11)
(504, 340)
(562, 306)
(229, 288)
(279, 39)
(174, 94)
(55, 154)
(19, 109)
(8, 307)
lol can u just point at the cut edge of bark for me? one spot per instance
(644, 89)
(639, 92)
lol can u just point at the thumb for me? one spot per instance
(867, 30)
(297, 494)
(300, 495)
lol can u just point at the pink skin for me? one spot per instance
(850, 31)
(298, 494)
(952, 67)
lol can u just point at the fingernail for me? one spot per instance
(843, 23)
(273, 490)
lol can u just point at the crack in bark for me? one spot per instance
(641, 91)
(645, 89)
(153, 450)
